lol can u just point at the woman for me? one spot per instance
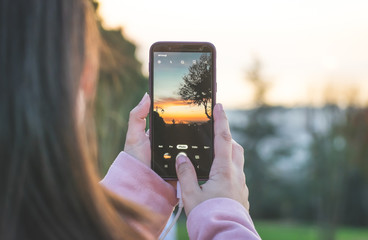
(49, 187)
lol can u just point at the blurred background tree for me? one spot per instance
(338, 175)
(121, 85)
(329, 187)
(256, 133)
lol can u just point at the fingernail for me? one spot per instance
(220, 106)
(143, 98)
(181, 158)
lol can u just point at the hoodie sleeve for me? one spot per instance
(132, 180)
(221, 218)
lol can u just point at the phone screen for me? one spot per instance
(182, 92)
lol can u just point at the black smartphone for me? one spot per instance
(183, 94)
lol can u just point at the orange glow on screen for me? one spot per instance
(178, 111)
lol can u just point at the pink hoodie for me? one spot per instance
(218, 218)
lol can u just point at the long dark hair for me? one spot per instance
(48, 182)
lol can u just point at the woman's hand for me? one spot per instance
(137, 143)
(226, 178)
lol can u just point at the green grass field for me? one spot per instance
(289, 231)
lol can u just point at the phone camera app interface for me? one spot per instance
(182, 111)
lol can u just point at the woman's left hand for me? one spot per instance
(137, 143)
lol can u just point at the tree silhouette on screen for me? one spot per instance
(196, 88)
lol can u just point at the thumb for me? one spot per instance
(186, 175)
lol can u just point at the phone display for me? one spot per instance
(182, 90)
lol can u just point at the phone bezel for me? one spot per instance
(181, 47)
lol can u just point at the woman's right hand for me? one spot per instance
(226, 177)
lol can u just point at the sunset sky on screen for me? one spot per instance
(180, 111)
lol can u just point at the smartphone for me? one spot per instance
(183, 94)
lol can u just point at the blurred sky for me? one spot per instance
(304, 45)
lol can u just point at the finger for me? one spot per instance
(137, 118)
(223, 139)
(186, 175)
(173, 183)
(237, 155)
